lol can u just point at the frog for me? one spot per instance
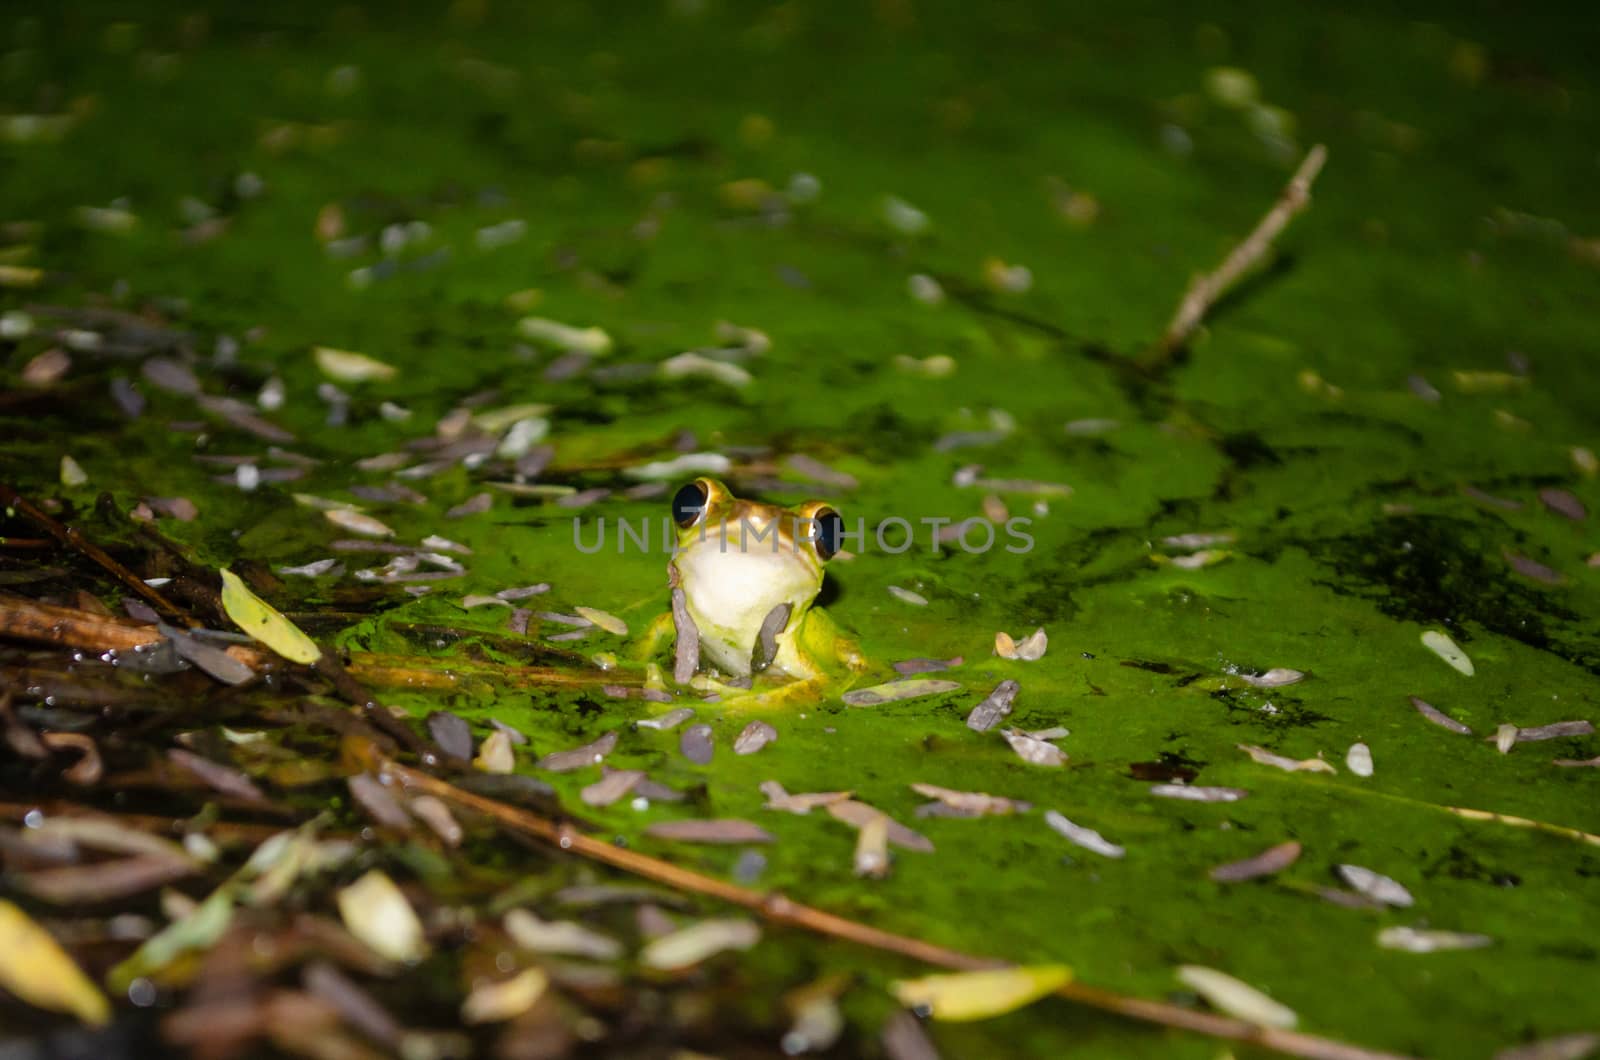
(746, 574)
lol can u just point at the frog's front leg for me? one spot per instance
(650, 644)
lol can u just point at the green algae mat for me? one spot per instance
(417, 320)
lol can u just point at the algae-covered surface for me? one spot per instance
(920, 253)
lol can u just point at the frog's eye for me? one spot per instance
(829, 533)
(689, 504)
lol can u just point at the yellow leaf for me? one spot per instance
(349, 367)
(979, 995)
(263, 622)
(377, 913)
(37, 970)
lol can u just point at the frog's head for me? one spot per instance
(738, 560)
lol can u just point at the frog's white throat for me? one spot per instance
(730, 593)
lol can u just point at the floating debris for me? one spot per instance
(902, 217)
(1419, 940)
(590, 754)
(671, 719)
(1376, 886)
(1274, 678)
(908, 667)
(260, 620)
(605, 620)
(710, 830)
(871, 859)
(1192, 541)
(1238, 999)
(907, 596)
(592, 341)
(803, 803)
(1439, 717)
(1197, 794)
(1029, 649)
(755, 736)
(473, 600)
(970, 803)
(1033, 750)
(1563, 1047)
(962, 996)
(452, 733)
(347, 366)
(378, 801)
(566, 937)
(924, 288)
(1504, 738)
(1289, 765)
(1359, 760)
(72, 475)
(613, 785)
(436, 815)
(475, 505)
(1561, 502)
(357, 523)
(766, 648)
(689, 946)
(903, 1038)
(693, 364)
(1447, 649)
(1556, 730)
(697, 745)
(996, 705)
(378, 914)
(1533, 569)
(35, 969)
(1577, 763)
(897, 690)
(1269, 862)
(817, 471)
(496, 755)
(496, 1002)
(1087, 838)
(859, 815)
(681, 466)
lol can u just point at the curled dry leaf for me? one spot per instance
(1033, 750)
(1269, 861)
(496, 1002)
(495, 755)
(964, 996)
(689, 946)
(1236, 998)
(897, 690)
(378, 914)
(1439, 717)
(1087, 838)
(1448, 650)
(996, 705)
(88, 769)
(1418, 940)
(1288, 765)
(755, 736)
(712, 830)
(1030, 649)
(1376, 886)
(35, 968)
(590, 754)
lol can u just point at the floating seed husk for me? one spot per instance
(1033, 750)
(437, 816)
(859, 815)
(347, 366)
(219, 777)
(1087, 838)
(1564, 503)
(1192, 541)
(1439, 717)
(689, 946)
(1197, 794)
(1376, 886)
(1030, 649)
(567, 937)
(379, 802)
(1359, 760)
(212, 660)
(589, 754)
(696, 744)
(686, 651)
(671, 719)
(102, 881)
(907, 596)
(1419, 940)
(800, 803)
(1531, 568)
(473, 600)
(1505, 738)
(1290, 765)
(1236, 998)
(1447, 649)
(710, 830)
(898, 690)
(495, 754)
(452, 734)
(1274, 678)
(903, 1038)
(962, 996)
(495, 1002)
(606, 621)
(358, 523)
(1578, 763)
(1272, 860)
(475, 505)
(971, 803)
(614, 785)
(378, 914)
(871, 859)
(995, 706)
(907, 667)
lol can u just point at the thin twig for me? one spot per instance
(73, 538)
(781, 910)
(1206, 288)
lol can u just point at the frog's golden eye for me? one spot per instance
(689, 503)
(830, 533)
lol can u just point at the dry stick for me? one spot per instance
(782, 910)
(73, 538)
(1206, 288)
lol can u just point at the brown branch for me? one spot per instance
(73, 538)
(1206, 288)
(779, 909)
